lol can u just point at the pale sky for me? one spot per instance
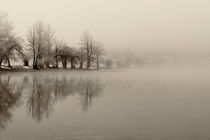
(136, 24)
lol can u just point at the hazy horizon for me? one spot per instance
(113, 70)
(120, 24)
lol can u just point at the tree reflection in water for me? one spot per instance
(46, 91)
(40, 101)
(10, 94)
(42, 92)
(88, 89)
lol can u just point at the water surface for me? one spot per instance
(126, 104)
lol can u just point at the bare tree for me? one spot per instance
(49, 43)
(64, 55)
(73, 57)
(8, 41)
(57, 51)
(87, 42)
(98, 51)
(41, 40)
(81, 56)
(40, 31)
(32, 43)
(25, 54)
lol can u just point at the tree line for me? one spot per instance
(45, 50)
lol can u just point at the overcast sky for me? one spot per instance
(136, 24)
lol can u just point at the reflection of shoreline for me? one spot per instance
(42, 94)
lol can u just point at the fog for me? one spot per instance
(156, 25)
(113, 69)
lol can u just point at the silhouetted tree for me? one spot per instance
(87, 43)
(57, 51)
(8, 41)
(49, 44)
(64, 55)
(81, 57)
(41, 40)
(98, 52)
(73, 56)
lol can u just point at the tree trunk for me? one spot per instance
(40, 62)
(88, 62)
(64, 63)
(9, 65)
(8, 62)
(56, 57)
(1, 63)
(81, 64)
(26, 62)
(88, 59)
(35, 63)
(97, 62)
(72, 63)
(56, 61)
(47, 64)
(1, 60)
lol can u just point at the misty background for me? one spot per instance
(142, 31)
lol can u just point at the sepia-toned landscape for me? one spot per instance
(104, 70)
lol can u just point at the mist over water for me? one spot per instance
(104, 70)
(146, 103)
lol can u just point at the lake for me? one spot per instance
(119, 104)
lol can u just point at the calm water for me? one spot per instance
(132, 104)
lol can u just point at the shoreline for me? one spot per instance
(30, 69)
